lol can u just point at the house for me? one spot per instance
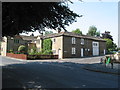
(71, 45)
(65, 44)
(13, 43)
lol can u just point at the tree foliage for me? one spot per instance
(106, 34)
(48, 32)
(93, 31)
(77, 31)
(18, 17)
(108, 43)
(47, 44)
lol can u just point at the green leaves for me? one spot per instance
(47, 44)
(31, 16)
(93, 31)
(77, 31)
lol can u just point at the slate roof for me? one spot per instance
(72, 35)
(28, 38)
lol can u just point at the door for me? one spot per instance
(95, 48)
(82, 52)
(104, 51)
(59, 54)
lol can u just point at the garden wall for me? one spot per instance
(19, 56)
(42, 56)
(31, 57)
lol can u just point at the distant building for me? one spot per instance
(64, 44)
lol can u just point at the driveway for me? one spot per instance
(66, 73)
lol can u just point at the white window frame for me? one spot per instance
(73, 40)
(73, 50)
(82, 41)
(95, 44)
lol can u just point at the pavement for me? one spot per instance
(92, 64)
(98, 67)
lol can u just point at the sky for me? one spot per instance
(101, 14)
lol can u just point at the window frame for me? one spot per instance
(82, 41)
(73, 40)
(73, 51)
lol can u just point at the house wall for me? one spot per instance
(4, 46)
(57, 46)
(15, 45)
(67, 47)
(39, 44)
(102, 47)
(87, 47)
(10, 44)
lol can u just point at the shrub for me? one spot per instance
(22, 49)
(47, 52)
(10, 51)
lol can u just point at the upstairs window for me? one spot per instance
(82, 41)
(73, 40)
(73, 50)
(95, 44)
(54, 40)
(16, 41)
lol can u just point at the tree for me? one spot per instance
(18, 17)
(77, 31)
(106, 34)
(48, 32)
(108, 43)
(93, 31)
(98, 33)
(47, 44)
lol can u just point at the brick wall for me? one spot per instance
(19, 56)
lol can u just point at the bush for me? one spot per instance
(47, 52)
(22, 49)
(10, 51)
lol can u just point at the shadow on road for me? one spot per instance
(53, 75)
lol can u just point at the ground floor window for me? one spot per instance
(73, 50)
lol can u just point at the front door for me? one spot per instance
(59, 54)
(82, 52)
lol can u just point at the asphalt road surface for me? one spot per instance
(67, 73)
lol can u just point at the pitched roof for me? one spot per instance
(28, 38)
(72, 35)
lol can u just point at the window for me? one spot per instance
(88, 49)
(73, 40)
(73, 50)
(54, 40)
(82, 41)
(16, 41)
(95, 44)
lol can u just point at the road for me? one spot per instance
(66, 73)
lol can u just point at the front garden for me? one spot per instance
(33, 53)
